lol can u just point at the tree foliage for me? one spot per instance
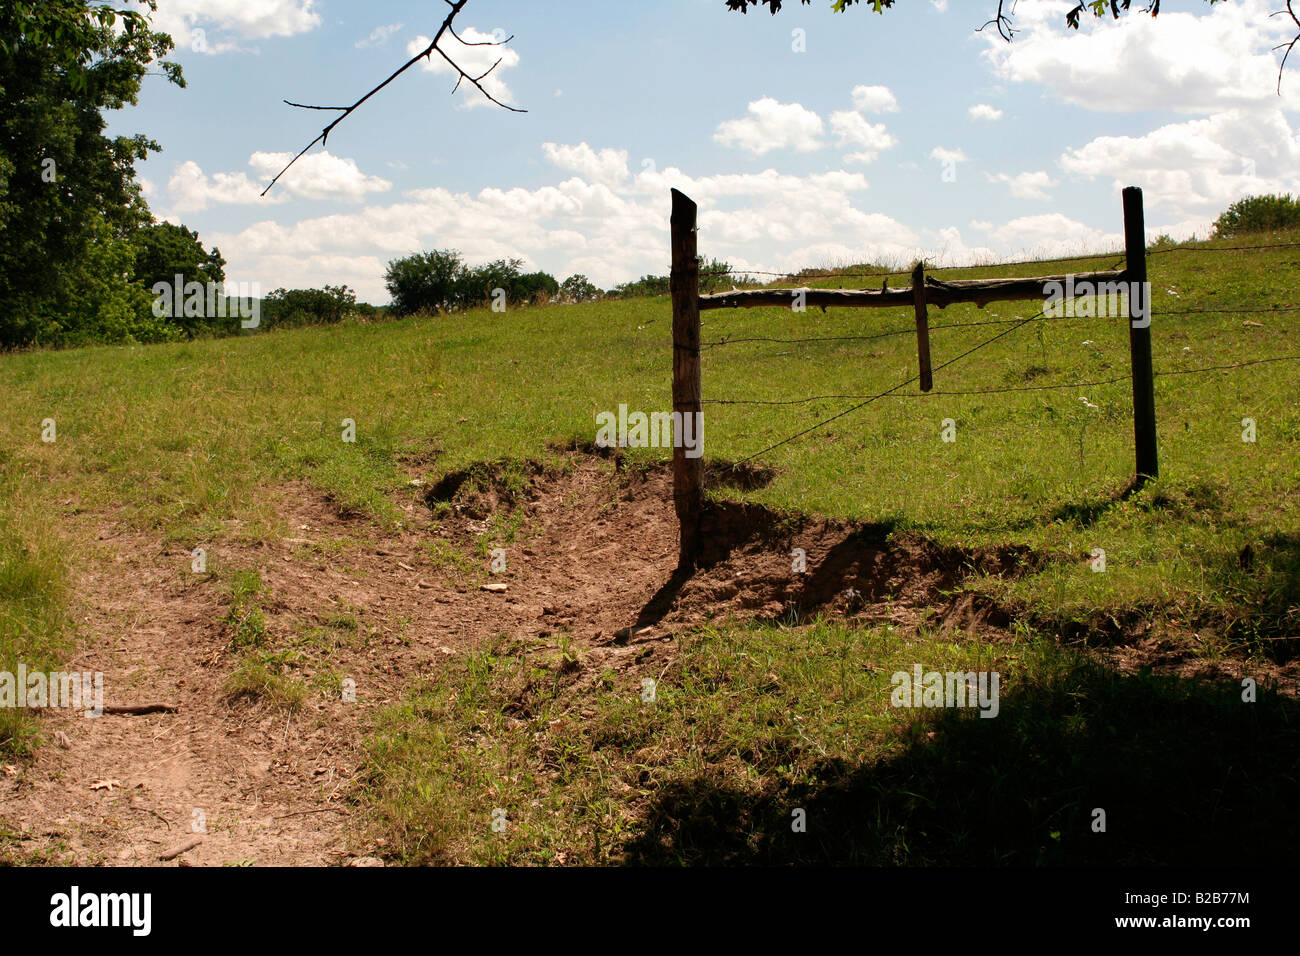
(1000, 18)
(291, 308)
(440, 281)
(164, 250)
(68, 196)
(1258, 214)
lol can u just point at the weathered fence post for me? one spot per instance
(922, 327)
(1139, 337)
(688, 473)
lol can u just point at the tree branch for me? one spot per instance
(346, 111)
(1290, 11)
(1003, 23)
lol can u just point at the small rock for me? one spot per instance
(366, 861)
(494, 588)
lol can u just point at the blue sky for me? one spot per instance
(860, 138)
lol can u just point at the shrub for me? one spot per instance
(1258, 214)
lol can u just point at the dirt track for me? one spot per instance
(595, 561)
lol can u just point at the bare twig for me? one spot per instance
(176, 851)
(446, 27)
(1289, 11)
(1002, 22)
(136, 710)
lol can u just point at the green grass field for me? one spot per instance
(183, 440)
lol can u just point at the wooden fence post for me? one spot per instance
(922, 327)
(1139, 337)
(688, 473)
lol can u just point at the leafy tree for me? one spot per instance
(476, 285)
(536, 288)
(577, 288)
(424, 282)
(287, 308)
(1258, 214)
(98, 302)
(164, 250)
(68, 196)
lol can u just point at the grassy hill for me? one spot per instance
(194, 443)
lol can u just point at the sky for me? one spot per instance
(809, 138)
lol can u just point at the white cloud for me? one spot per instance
(609, 166)
(207, 26)
(874, 99)
(1197, 168)
(940, 5)
(1026, 185)
(474, 60)
(944, 155)
(319, 176)
(315, 176)
(379, 36)
(1052, 234)
(771, 125)
(853, 130)
(982, 111)
(191, 191)
(1189, 62)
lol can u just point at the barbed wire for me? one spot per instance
(880, 395)
(1002, 389)
(1268, 245)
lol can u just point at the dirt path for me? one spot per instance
(593, 561)
(262, 785)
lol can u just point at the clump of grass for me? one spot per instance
(263, 676)
(246, 621)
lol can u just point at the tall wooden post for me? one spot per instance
(922, 327)
(1139, 337)
(688, 473)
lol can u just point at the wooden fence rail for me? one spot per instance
(688, 473)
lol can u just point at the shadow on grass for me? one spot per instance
(1186, 773)
(1260, 585)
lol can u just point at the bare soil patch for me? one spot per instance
(593, 559)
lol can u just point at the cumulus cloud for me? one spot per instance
(190, 190)
(1194, 62)
(474, 60)
(1026, 185)
(1052, 234)
(874, 99)
(216, 26)
(610, 224)
(319, 176)
(771, 125)
(609, 166)
(315, 176)
(949, 156)
(982, 111)
(853, 130)
(1197, 168)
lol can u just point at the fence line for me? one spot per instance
(688, 303)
